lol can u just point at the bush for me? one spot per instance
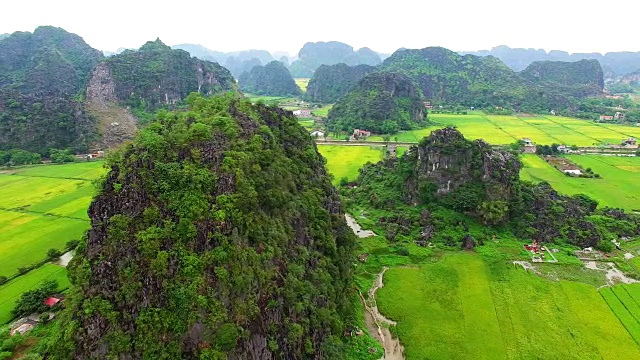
(33, 301)
(72, 244)
(54, 254)
(3, 280)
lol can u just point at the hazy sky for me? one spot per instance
(228, 25)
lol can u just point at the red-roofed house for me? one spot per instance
(51, 301)
(358, 134)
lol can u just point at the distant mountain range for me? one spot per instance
(613, 63)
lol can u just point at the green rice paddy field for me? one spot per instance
(41, 207)
(617, 187)
(347, 160)
(466, 307)
(498, 129)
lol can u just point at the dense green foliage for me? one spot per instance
(381, 103)
(330, 82)
(33, 301)
(42, 78)
(156, 76)
(485, 82)
(272, 79)
(312, 55)
(216, 232)
(16, 157)
(581, 78)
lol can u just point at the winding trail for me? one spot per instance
(378, 325)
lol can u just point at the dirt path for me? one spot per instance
(378, 325)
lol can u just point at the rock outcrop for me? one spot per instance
(449, 161)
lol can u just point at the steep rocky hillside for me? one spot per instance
(272, 79)
(581, 78)
(42, 78)
(330, 82)
(447, 172)
(312, 55)
(381, 103)
(445, 76)
(142, 81)
(217, 234)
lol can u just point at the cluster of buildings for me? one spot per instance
(618, 116)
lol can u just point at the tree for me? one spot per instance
(3, 280)
(61, 156)
(53, 254)
(33, 301)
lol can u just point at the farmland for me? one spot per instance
(617, 186)
(302, 83)
(41, 208)
(467, 306)
(347, 160)
(11, 291)
(501, 129)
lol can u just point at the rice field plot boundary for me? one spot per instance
(622, 312)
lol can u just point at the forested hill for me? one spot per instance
(42, 79)
(486, 82)
(614, 63)
(312, 55)
(445, 76)
(580, 78)
(126, 88)
(380, 102)
(217, 234)
(156, 75)
(272, 79)
(330, 82)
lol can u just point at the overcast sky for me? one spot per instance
(570, 25)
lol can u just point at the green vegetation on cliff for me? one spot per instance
(330, 82)
(156, 76)
(446, 171)
(272, 79)
(486, 82)
(42, 80)
(381, 103)
(216, 233)
(313, 55)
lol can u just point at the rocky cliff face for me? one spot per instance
(116, 124)
(41, 75)
(143, 81)
(449, 161)
(216, 234)
(445, 152)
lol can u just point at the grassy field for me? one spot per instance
(499, 129)
(302, 83)
(43, 207)
(465, 307)
(347, 160)
(618, 186)
(323, 111)
(624, 307)
(11, 291)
